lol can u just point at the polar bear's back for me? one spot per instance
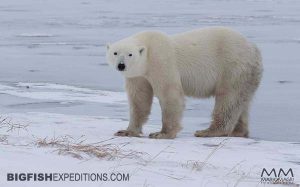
(212, 45)
(205, 56)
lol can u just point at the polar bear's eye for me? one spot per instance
(130, 54)
(115, 53)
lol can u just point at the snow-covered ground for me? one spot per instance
(55, 86)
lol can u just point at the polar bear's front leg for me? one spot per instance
(172, 106)
(140, 96)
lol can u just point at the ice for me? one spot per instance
(55, 92)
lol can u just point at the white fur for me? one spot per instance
(207, 62)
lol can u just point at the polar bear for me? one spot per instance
(213, 61)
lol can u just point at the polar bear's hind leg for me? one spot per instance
(241, 128)
(230, 115)
(227, 111)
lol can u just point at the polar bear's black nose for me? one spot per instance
(121, 66)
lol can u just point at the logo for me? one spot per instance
(277, 176)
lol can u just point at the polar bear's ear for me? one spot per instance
(107, 46)
(142, 49)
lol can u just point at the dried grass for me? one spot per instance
(66, 145)
(3, 138)
(195, 165)
(199, 165)
(8, 125)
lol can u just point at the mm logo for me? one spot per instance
(274, 176)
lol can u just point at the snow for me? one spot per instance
(165, 160)
(54, 80)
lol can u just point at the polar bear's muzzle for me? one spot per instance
(121, 66)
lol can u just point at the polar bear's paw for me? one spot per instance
(127, 133)
(210, 133)
(162, 135)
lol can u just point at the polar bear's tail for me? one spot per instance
(258, 54)
(258, 67)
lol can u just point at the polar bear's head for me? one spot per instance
(127, 57)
